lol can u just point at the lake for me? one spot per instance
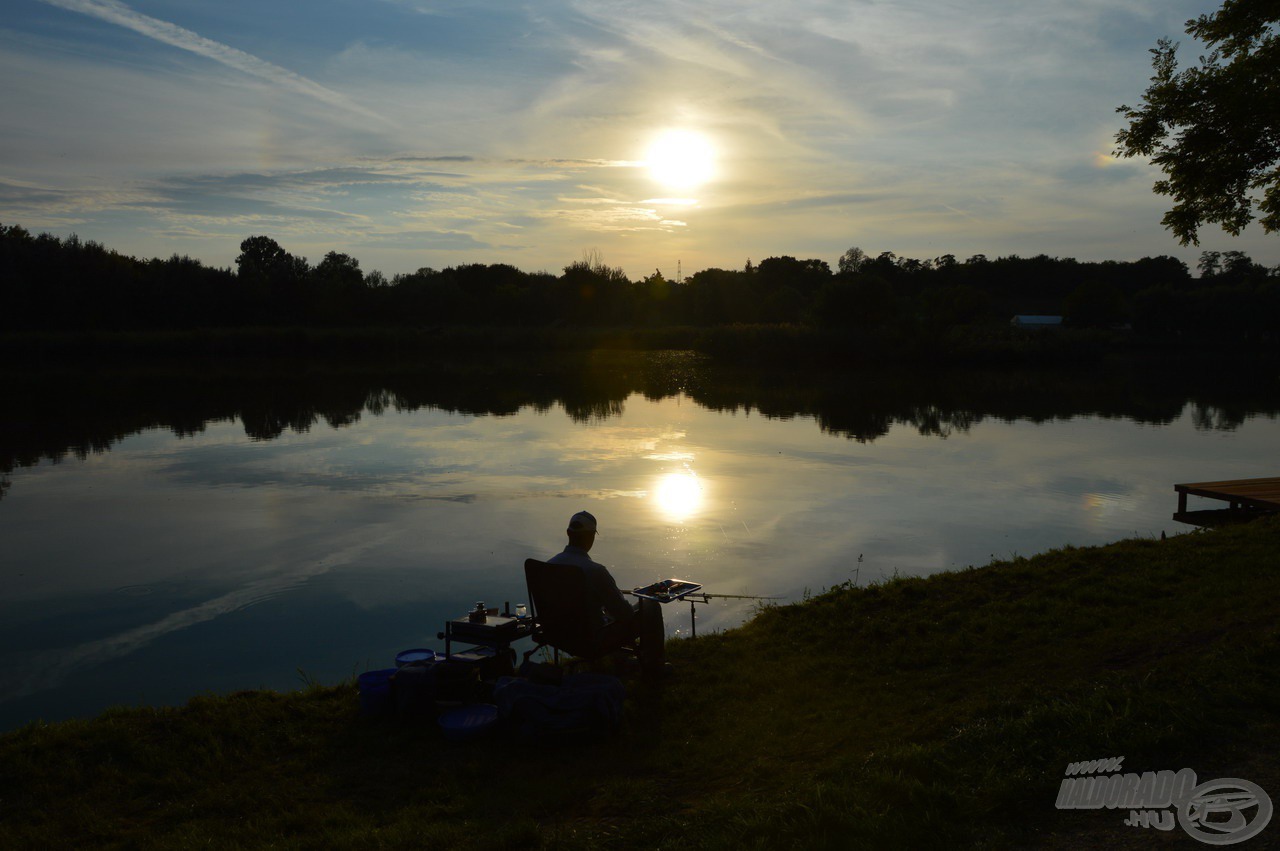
(174, 530)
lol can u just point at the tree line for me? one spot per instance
(49, 283)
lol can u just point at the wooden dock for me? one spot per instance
(1247, 498)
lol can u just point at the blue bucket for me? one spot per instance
(375, 692)
(414, 657)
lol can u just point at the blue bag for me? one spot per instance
(584, 707)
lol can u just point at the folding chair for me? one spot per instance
(564, 620)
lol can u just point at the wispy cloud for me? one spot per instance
(919, 126)
(614, 219)
(173, 35)
(42, 205)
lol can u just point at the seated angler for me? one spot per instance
(624, 620)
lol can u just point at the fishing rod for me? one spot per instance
(705, 599)
(732, 596)
(706, 595)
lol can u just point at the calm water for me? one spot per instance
(164, 535)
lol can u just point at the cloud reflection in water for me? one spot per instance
(349, 543)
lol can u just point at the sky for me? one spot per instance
(674, 135)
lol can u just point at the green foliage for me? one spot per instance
(1212, 128)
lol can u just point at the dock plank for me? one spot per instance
(1256, 494)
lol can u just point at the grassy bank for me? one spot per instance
(934, 712)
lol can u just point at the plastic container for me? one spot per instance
(454, 680)
(414, 691)
(417, 656)
(468, 722)
(375, 692)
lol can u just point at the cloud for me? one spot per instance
(428, 240)
(919, 126)
(442, 159)
(173, 35)
(614, 219)
(41, 205)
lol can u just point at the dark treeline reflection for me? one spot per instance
(52, 415)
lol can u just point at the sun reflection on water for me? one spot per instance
(679, 496)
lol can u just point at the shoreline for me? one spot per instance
(937, 709)
(761, 345)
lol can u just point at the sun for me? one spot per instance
(681, 159)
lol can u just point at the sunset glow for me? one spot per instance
(415, 133)
(682, 159)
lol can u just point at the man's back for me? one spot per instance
(602, 589)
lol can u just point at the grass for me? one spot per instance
(937, 712)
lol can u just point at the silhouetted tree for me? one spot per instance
(48, 283)
(787, 286)
(657, 300)
(336, 290)
(425, 297)
(1213, 129)
(594, 293)
(721, 296)
(862, 301)
(852, 260)
(274, 280)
